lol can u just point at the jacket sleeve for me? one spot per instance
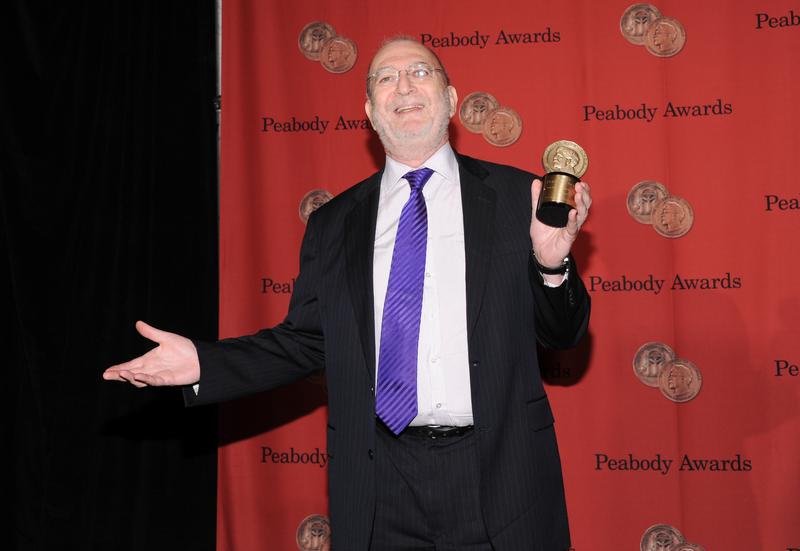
(235, 367)
(561, 313)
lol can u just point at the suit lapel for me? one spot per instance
(478, 203)
(360, 243)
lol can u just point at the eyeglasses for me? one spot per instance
(416, 72)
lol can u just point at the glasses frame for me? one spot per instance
(408, 71)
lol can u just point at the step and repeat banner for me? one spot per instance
(678, 416)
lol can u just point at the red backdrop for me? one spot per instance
(733, 166)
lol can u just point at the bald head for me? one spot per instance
(426, 55)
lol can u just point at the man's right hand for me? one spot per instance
(173, 362)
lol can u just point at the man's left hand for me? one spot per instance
(552, 245)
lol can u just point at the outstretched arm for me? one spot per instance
(244, 365)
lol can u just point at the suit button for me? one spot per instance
(371, 454)
(372, 389)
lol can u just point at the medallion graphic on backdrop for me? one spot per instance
(314, 534)
(481, 113)
(672, 217)
(656, 365)
(502, 126)
(643, 25)
(660, 537)
(318, 41)
(338, 54)
(680, 380)
(650, 360)
(649, 202)
(313, 200)
(663, 537)
(474, 109)
(635, 20)
(312, 37)
(641, 199)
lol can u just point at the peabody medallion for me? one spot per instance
(634, 22)
(474, 110)
(672, 217)
(642, 198)
(650, 360)
(567, 157)
(665, 37)
(660, 537)
(680, 381)
(313, 200)
(502, 126)
(314, 534)
(564, 162)
(338, 54)
(312, 37)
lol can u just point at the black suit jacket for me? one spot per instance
(330, 325)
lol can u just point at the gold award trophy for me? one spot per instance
(564, 163)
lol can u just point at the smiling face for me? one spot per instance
(410, 116)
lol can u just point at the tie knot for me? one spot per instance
(417, 178)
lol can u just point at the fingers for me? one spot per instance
(143, 379)
(573, 223)
(125, 371)
(113, 372)
(578, 215)
(150, 332)
(583, 200)
(585, 192)
(132, 375)
(132, 378)
(536, 189)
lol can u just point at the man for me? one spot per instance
(458, 453)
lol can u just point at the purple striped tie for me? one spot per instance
(396, 397)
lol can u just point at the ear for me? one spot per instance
(368, 110)
(453, 97)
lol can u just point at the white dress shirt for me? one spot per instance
(443, 384)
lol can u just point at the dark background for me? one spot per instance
(108, 214)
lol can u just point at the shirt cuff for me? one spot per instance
(554, 285)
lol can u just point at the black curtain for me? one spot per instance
(108, 214)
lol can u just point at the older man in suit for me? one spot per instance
(422, 292)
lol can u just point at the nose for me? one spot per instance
(404, 84)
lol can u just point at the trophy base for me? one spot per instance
(553, 214)
(556, 199)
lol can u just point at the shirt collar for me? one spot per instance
(443, 163)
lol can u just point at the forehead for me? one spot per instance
(401, 54)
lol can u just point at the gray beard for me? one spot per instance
(415, 145)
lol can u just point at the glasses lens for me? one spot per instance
(419, 71)
(385, 76)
